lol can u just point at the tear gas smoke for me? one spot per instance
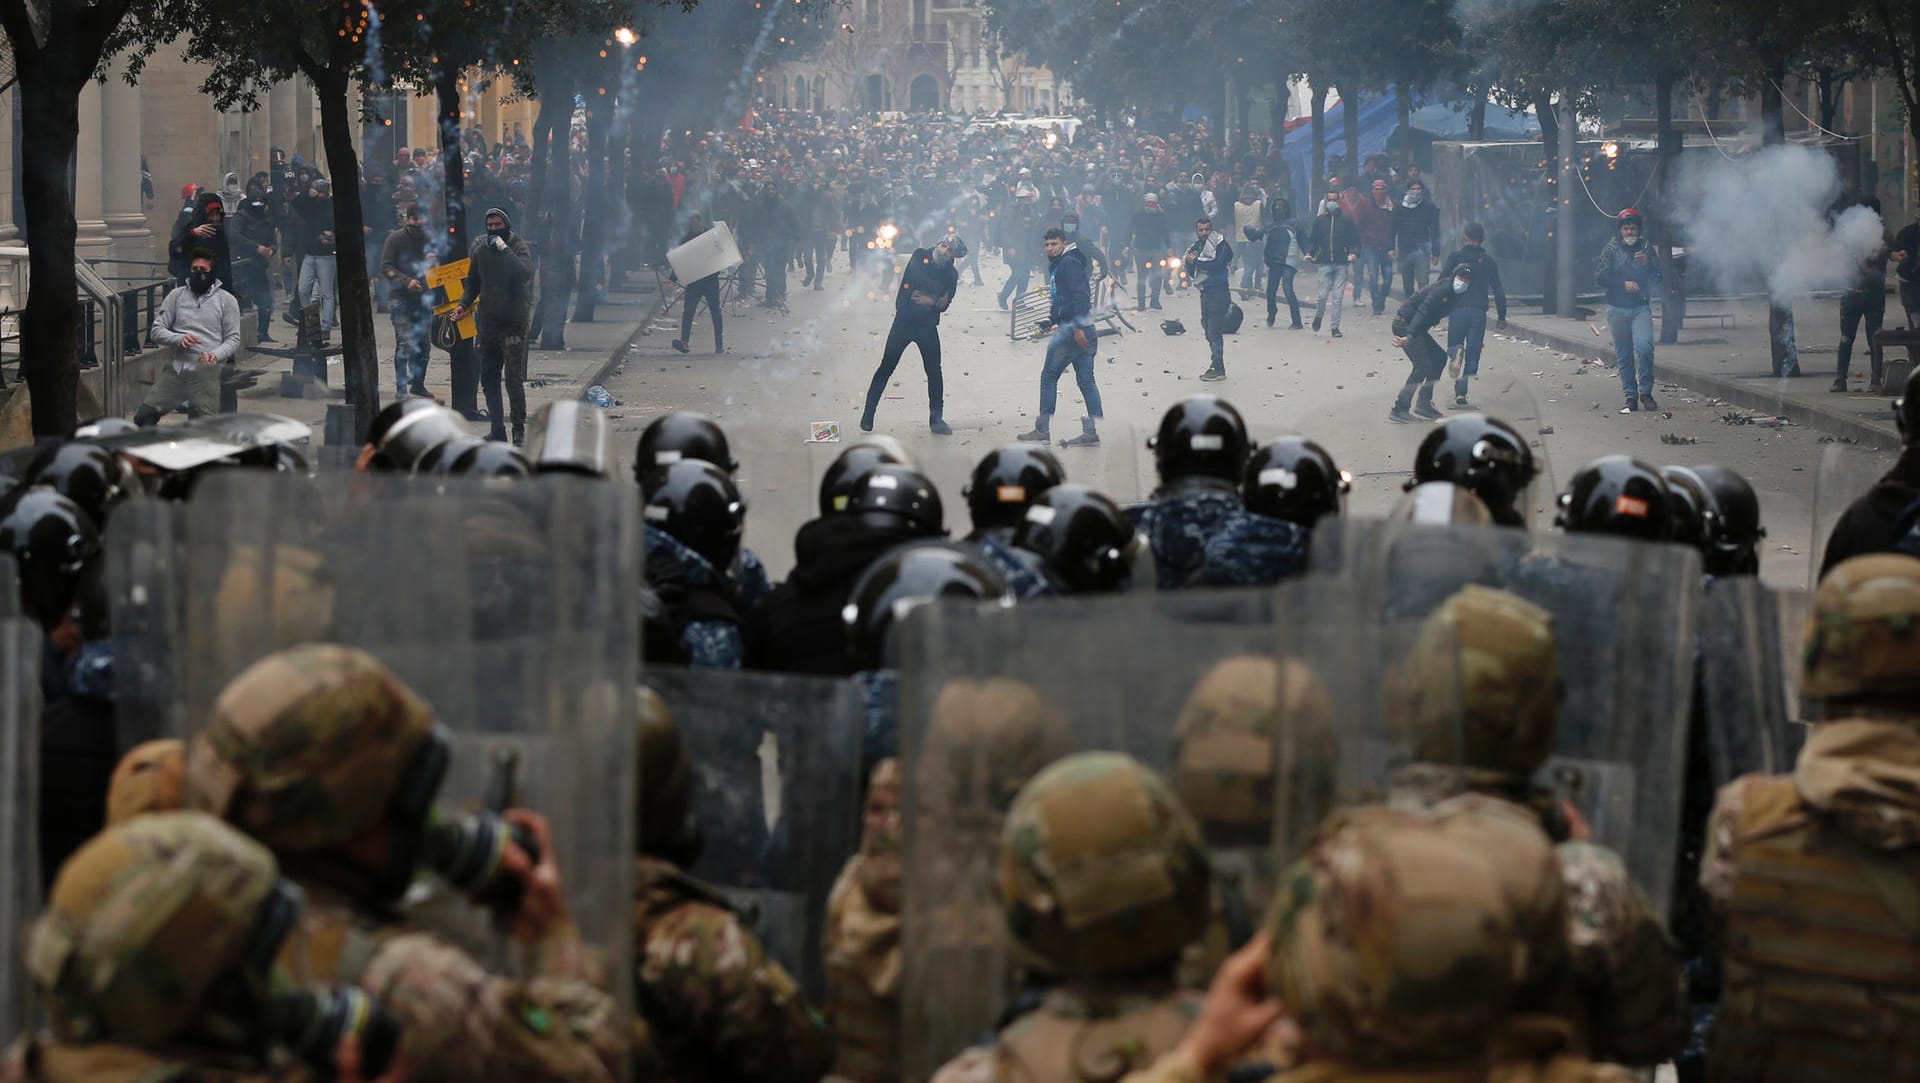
(1763, 220)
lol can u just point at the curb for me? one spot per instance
(618, 357)
(1738, 392)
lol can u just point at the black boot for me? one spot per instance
(1424, 408)
(938, 424)
(1399, 414)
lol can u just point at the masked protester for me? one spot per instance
(199, 323)
(404, 262)
(926, 290)
(500, 281)
(1412, 332)
(1629, 270)
(705, 290)
(258, 243)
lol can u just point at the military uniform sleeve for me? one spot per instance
(462, 1023)
(1717, 861)
(1626, 968)
(713, 978)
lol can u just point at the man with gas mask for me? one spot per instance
(926, 290)
(199, 324)
(156, 958)
(323, 755)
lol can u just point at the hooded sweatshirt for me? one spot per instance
(500, 277)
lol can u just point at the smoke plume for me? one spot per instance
(1762, 222)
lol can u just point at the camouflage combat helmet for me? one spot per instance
(1481, 687)
(144, 922)
(985, 739)
(1406, 937)
(1863, 637)
(306, 748)
(149, 778)
(1102, 873)
(1225, 738)
(666, 828)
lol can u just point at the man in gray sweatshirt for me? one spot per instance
(199, 323)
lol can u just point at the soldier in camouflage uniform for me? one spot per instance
(714, 1005)
(317, 752)
(862, 942)
(1481, 690)
(149, 778)
(155, 959)
(1103, 878)
(1815, 876)
(1225, 751)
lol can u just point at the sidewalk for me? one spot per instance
(593, 350)
(1734, 363)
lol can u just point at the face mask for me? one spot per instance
(1459, 285)
(200, 281)
(492, 232)
(415, 229)
(1070, 227)
(1330, 206)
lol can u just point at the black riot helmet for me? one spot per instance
(1200, 436)
(894, 497)
(837, 485)
(670, 438)
(1737, 529)
(53, 541)
(404, 431)
(99, 427)
(438, 461)
(1294, 479)
(697, 504)
(1484, 455)
(87, 474)
(1618, 495)
(1694, 515)
(1006, 481)
(1083, 539)
(491, 459)
(910, 575)
(279, 458)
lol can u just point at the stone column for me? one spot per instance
(89, 210)
(124, 216)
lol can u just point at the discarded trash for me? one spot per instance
(600, 396)
(1675, 438)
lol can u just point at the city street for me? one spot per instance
(782, 373)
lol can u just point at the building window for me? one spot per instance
(873, 13)
(919, 20)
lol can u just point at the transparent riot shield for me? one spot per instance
(20, 648)
(776, 767)
(1624, 614)
(9, 586)
(988, 697)
(571, 436)
(1748, 682)
(145, 569)
(1846, 473)
(510, 608)
(1401, 570)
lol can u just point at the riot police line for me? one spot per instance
(951, 792)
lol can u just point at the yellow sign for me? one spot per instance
(453, 277)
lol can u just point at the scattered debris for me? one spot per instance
(1678, 440)
(1546, 430)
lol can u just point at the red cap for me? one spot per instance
(189, 190)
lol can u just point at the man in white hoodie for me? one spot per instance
(200, 324)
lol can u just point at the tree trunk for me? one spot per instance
(598, 216)
(49, 328)
(1350, 119)
(353, 291)
(1543, 111)
(1773, 132)
(553, 252)
(1404, 101)
(1477, 117)
(1673, 287)
(1829, 85)
(1319, 141)
(463, 364)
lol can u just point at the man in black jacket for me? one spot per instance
(257, 242)
(1151, 242)
(1333, 244)
(1467, 327)
(926, 290)
(1412, 327)
(205, 228)
(1869, 526)
(1416, 236)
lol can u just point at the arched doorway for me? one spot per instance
(923, 94)
(877, 94)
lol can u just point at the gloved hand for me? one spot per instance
(499, 243)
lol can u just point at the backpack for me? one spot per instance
(1235, 316)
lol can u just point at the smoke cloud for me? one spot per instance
(1761, 222)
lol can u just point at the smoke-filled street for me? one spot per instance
(781, 373)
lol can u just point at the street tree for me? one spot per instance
(56, 46)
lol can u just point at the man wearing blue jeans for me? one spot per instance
(1074, 340)
(1467, 326)
(1629, 270)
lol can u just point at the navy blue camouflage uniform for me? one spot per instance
(1178, 527)
(1019, 571)
(689, 613)
(1253, 551)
